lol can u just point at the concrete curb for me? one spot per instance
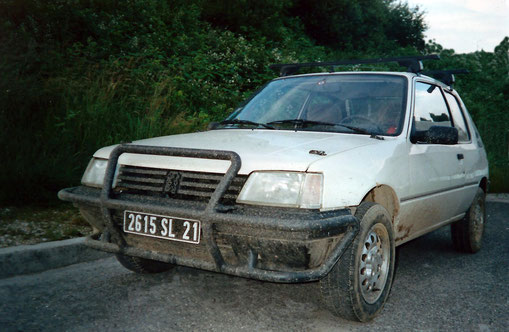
(45, 256)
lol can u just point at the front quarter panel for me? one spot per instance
(350, 175)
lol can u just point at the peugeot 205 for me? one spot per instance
(317, 177)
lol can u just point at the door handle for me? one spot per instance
(460, 156)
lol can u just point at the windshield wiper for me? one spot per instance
(301, 122)
(361, 131)
(246, 122)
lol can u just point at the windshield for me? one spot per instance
(359, 103)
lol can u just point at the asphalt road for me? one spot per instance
(435, 288)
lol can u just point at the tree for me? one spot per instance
(362, 24)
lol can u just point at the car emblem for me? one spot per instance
(172, 183)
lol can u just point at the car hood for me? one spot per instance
(258, 149)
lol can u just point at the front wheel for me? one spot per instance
(358, 285)
(143, 265)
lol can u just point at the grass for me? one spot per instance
(36, 224)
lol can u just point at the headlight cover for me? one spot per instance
(94, 174)
(285, 189)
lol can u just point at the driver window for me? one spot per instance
(430, 109)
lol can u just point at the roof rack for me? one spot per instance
(445, 76)
(413, 63)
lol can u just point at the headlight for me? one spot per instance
(287, 189)
(94, 175)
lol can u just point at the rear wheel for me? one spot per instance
(467, 233)
(143, 265)
(358, 285)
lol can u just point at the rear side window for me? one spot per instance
(430, 107)
(458, 118)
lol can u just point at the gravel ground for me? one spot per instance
(32, 225)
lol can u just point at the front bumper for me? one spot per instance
(271, 244)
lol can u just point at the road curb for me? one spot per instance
(45, 256)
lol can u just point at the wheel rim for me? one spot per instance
(478, 221)
(374, 263)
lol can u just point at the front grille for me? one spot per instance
(195, 186)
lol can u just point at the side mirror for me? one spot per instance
(212, 125)
(441, 135)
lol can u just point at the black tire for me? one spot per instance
(142, 265)
(344, 292)
(467, 233)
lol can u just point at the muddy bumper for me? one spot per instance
(265, 243)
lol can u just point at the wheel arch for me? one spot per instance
(484, 185)
(385, 196)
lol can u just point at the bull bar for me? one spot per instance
(313, 223)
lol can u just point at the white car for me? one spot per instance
(318, 177)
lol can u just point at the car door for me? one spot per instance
(436, 170)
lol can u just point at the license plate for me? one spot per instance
(162, 227)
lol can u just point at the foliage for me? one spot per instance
(379, 25)
(81, 74)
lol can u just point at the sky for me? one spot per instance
(465, 25)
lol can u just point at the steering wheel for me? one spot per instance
(353, 118)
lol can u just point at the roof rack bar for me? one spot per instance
(413, 63)
(446, 76)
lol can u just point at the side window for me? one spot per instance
(458, 118)
(430, 110)
(430, 107)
